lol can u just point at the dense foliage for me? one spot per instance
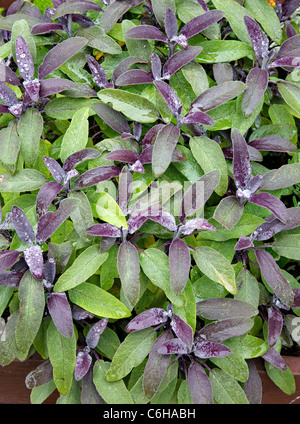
(150, 189)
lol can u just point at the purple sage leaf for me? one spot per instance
(258, 38)
(61, 313)
(275, 205)
(22, 225)
(148, 318)
(8, 258)
(34, 259)
(199, 385)
(275, 324)
(45, 197)
(180, 59)
(59, 54)
(208, 349)
(156, 366)
(129, 271)
(51, 221)
(182, 330)
(272, 274)
(95, 176)
(173, 346)
(180, 264)
(257, 83)
(24, 59)
(82, 365)
(95, 332)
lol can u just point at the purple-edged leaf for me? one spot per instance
(173, 346)
(124, 65)
(79, 313)
(3, 109)
(10, 278)
(171, 25)
(198, 193)
(275, 324)
(59, 54)
(124, 189)
(208, 349)
(150, 136)
(198, 117)
(225, 329)
(286, 61)
(296, 303)
(123, 155)
(50, 222)
(253, 386)
(82, 365)
(98, 73)
(217, 95)
(54, 167)
(242, 169)
(289, 48)
(22, 225)
(274, 358)
(257, 83)
(156, 66)
(180, 59)
(136, 221)
(7, 75)
(51, 86)
(76, 6)
(7, 95)
(272, 274)
(146, 32)
(45, 197)
(95, 176)
(40, 375)
(79, 157)
(275, 205)
(45, 28)
(61, 313)
(148, 318)
(115, 11)
(273, 143)
(244, 243)
(258, 38)
(104, 230)
(268, 229)
(156, 366)
(289, 29)
(180, 263)
(199, 385)
(163, 148)
(162, 217)
(228, 212)
(32, 89)
(8, 258)
(200, 23)
(24, 59)
(34, 259)
(112, 118)
(219, 308)
(49, 270)
(289, 7)
(182, 330)
(95, 332)
(146, 155)
(129, 271)
(196, 224)
(133, 77)
(170, 96)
